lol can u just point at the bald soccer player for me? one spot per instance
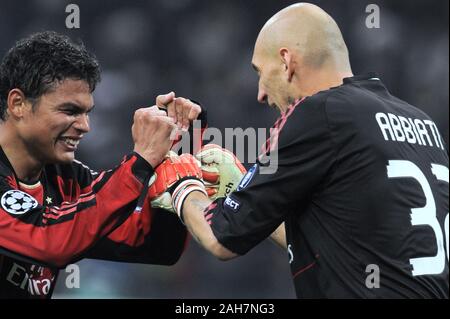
(362, 181)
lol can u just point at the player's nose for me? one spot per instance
(262, 96)
(82, 123)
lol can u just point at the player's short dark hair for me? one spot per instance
(37, 63)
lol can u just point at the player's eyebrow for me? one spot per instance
(91, 108)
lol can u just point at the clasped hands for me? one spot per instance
(214, 171)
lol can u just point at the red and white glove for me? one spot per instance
(221, 169)
(174, 179)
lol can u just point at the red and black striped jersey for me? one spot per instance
(73, 212)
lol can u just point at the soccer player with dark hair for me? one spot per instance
(54, 210)
(362, 182)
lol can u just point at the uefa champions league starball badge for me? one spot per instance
(17, 202)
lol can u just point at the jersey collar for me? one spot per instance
(363, 77)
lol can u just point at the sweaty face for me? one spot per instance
(52, 131)
(273, 83)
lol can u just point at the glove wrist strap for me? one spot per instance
(182, 191)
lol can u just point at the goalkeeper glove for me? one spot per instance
(221, 169)
(174, 179)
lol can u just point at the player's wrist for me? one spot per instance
(141, 168)
(152, 158)
(183, 190)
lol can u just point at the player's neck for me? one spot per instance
(325, 80)
(26, 167)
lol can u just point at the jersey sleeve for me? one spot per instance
(151, 236)
(56, 235)
(303, 156)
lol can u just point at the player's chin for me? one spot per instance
(65, 157)
(64, 154)
(277, 107)
(272, 105)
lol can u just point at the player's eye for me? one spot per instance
(70, 112)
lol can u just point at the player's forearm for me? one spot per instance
(279, 236)
(193, 216)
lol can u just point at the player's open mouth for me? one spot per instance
(70, 143)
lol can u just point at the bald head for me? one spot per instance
(299, 52)
(308, 30)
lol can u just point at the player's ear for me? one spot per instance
(16, 103)
(289, 63)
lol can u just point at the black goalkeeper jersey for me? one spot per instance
(362, 186)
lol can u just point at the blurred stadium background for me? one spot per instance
(202, 50)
